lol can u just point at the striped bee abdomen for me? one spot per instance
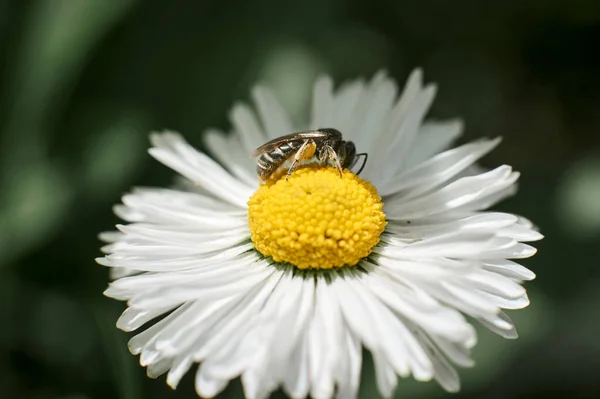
(269, 161)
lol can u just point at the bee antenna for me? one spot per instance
(366, 156)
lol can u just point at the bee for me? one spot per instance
(327, 143)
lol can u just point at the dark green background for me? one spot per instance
(84, 81)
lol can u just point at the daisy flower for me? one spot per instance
(283, 283)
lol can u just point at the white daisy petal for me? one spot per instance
(173, 151)
(249, 132)
(403, 127)
(346, 105)
(199, 291)
(229, 152)
(438, 170)
(296, 382)
(370, 117)
(458, 353)
(507, 302)
(206, 385)
(461, 244)
(437, 319)
(501, 324)
(348, 372)
(463, 191)
(403, 354)
(156, 369)
(509, 269)
(489, 197)
(411, 91)
(170, 264)
(182, 236)
(495, 284)
(137, 344)
(181, 365)
(520, 232)
(322, 104)
(132, 318)
(275, 120)
(489, 222)
(385, 376)
(324, 336)
(444, 373)
(433, 137)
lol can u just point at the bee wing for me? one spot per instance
(268, 146)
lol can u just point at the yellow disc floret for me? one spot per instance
(316, 219)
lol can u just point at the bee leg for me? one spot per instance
(306, 151)
(323, 154)
(334, 158)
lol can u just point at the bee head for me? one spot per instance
(347, 153)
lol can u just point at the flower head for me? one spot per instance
(283, 283)
(316, 219)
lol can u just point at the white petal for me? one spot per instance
(348, 377)
(437, 170)
(229, 151)
(403, 128)
(157, 263)
(208, 386)
(509, 269)
(507, 303)
(460, 244)
(444, 373)
(181, 365)
(384, 376)
(490, 197)
(500, 324)
(158, 368)
(393, 340)
(322, 103)
(131, 319)
(433, 137)
(172, 150)
(274, 118)
(439, 320)
(520, 232)
(324, 336)
(372, 113)
(137, 343)
(488, 222)
(458, 353)
(247, 128)
(347, 103)
(214, 288)
(495, 284)
(296, 382)
(182, 236)
(411, 91)
(463, 191)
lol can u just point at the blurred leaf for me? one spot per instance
(124, 367)
(112, 156)
(59, 35)
(36, 199)
(60, 332)
(578, 199)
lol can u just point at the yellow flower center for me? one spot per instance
(316, 219)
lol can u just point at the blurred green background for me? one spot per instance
(84, 81)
